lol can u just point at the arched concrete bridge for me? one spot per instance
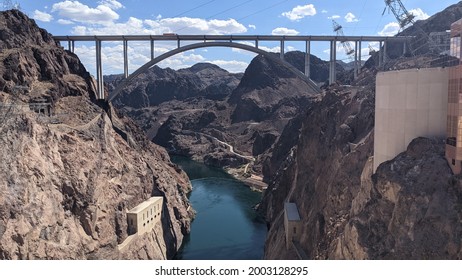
(206, 41)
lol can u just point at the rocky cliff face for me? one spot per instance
(409, 209)
(69, 177)
(321, 171)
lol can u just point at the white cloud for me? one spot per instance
(334, 17)
(159, 16)
(76, 11)
(233, 66)
(65, 21)
(268, 49)
(186, 25)
(284, 31)
(42, 16)
(131, 26)
(183, 25)
(419, 14)
(252, 26)
(350, 17)
(390, 29)
(113, 4)
(324, 11)
(300, 12)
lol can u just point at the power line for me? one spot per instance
(262, 10)
(360, 15)
(219, 13)
(229, 9)
(193, 9)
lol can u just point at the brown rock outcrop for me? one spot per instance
(67, 179)
(411, 209)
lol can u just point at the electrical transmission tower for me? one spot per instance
(350, 52)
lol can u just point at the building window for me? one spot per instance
(453, 162)
(151, 211)
(295, 230)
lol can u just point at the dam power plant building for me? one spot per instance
(145, 215)
(408, 104)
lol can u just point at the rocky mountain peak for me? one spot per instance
(32, 59)
(16, 29)
(198, 67)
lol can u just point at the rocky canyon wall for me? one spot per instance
(68, 177)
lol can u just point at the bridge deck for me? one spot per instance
(176, 37)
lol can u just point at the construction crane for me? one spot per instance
(402, 15)
(346, 45)
(406, 19)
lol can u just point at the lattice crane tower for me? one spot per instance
(405, 19)
(402, 15)
(346, 45)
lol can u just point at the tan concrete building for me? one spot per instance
(143, 217)
(292, 223)
(408, 104)
(454, 117)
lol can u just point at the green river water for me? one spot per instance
(226, 227)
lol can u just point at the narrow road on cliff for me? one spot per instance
(231, 148)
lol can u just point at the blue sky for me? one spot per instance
(288, 17)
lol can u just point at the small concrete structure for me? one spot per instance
(408, 104)
(41, 106)
(292, 223)
(143, 217)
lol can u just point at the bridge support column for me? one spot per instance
(333, 61)
(307, 58)
(360, 64)
(125, 59)
(282, 50)
(380, 54)
(256, 44)
(356, 70)
(152, 50)
(99, 71)
(71, 45)
(178, 43)
(384, 58)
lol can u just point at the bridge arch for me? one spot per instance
(168, 54)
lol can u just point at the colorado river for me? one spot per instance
(226, 227)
